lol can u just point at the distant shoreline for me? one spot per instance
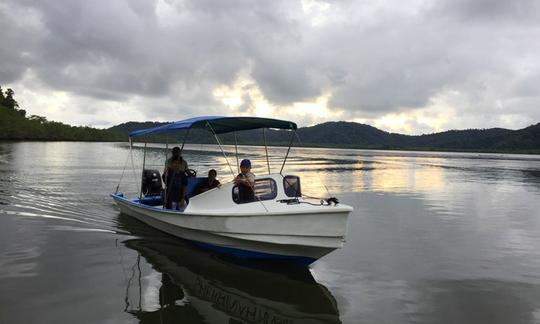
(305, 146)
(16, 126)
(350, 135)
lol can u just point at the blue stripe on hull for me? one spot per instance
(301, 260)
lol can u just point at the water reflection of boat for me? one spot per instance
(200, 287)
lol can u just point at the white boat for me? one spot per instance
(278, 224)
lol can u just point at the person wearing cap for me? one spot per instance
(176, 180)
(246, 182)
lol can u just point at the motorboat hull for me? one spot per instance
(300, 237)
(254, 216)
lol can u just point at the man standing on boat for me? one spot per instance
(246, 182)
(176, 180)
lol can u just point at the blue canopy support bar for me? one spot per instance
(288, 150)
(266, 151)
(236, 151)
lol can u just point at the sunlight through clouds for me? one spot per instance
(436, 116)
(246, 98)
(316, 11)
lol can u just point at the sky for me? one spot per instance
(412, 67)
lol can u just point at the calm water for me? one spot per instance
(434, 238)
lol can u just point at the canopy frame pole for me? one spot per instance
(165, 178)
(166, 147)
(185, 138)
(266, 150)
(221, 147)
(230, 167)
(288, 150)
(132, 162)
(236, 151)
(143, 165)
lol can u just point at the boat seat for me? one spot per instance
(193, 184)
(152, 200)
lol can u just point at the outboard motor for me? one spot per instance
(151, 183)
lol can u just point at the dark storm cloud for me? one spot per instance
(491, 10)
(93, 49)
(373, 57)
(15, 44)
(288, 80)
(115, 49)
(406, 60)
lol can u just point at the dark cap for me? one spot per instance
(245, 163)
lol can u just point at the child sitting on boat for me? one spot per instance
(246, 182)
(209, 183)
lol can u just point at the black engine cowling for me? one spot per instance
(151, 183)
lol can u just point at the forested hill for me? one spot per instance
(355, 135)
(365, 136)
(15, 125)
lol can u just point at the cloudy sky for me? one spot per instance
(406, 66)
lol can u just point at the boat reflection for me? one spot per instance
(197, 286)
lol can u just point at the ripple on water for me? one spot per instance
(445, 238)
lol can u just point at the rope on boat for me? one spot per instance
(220, 147)
(130, 155)
(143, 166)
(132, 163)
(230, 167)
(330, 200)
(283, 165)
(122, 175)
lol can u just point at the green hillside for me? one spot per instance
(15, 125)
(525, 140)
(355, 135)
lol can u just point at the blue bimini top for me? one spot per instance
(218, 125)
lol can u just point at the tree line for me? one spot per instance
(15, 125)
